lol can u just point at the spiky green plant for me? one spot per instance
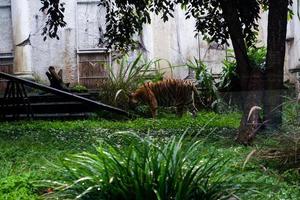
(144, 170)
(125, 76)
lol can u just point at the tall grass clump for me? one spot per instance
(285, 154)
(146, 169)
(126, 75)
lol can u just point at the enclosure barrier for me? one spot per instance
(16, 95)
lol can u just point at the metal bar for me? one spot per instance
(90, 51)
(61, 93)
(94, 77)
(18, 99)
(5, 6)
(95, 49)
(6, 57)
(100, 61)
(87, 2)
(29, 109)
(7, 89)
(21, 101)
(6, 97)
(13, 98)
(3, 104)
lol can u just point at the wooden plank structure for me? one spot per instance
(15, 96)
(6, 68)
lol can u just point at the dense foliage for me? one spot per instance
(205, 82)
(125, 76)
(257, 58)
(55, 12)
(146, 169)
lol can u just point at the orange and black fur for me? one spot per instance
(166, 93)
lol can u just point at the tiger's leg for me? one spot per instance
(179, 110)
(152, 102)
(153, 107)
(191, 106)
(193, 110)
(194, 113)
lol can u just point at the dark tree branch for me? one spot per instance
(55, 13)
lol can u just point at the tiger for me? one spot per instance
(166, 93)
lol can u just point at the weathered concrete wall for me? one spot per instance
(59, 53)
(21, 37)
(173, 41)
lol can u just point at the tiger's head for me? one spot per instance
(133, 101)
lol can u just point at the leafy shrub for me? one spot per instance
(157, 72)
(79, 88)
(229, 81)
(16, 187)
(290, 114)
(145, 169)
(227, 74)
(257, 57)
(205, 79)
(125, 77)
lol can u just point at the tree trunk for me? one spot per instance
(277, 27)
(231, 16)
(56, 80)
(250, 94)
(251, 121)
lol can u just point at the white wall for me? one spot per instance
(293, 44)
(175, 41)
(59, 53)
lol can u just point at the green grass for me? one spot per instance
(28, 149)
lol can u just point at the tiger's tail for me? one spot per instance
(118, 94)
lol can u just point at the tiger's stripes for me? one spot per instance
(166, 93)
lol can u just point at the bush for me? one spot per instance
(146, 169)
(228, 85)
(128, 76)
(205, 80)
(79, 88)
(16, 187)
(257, 57)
